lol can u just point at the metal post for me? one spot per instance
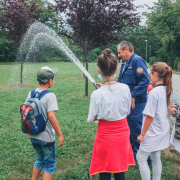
(21, 72)
(150, 52)
(146, 50)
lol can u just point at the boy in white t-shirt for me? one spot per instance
(44, 142)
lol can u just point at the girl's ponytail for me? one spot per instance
(164, 72)
(168, 83)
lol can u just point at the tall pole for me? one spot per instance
(150, 52)
(21, 72)
(146, 50)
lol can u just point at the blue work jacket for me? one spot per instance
(136, 76)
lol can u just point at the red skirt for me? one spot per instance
(112, 150)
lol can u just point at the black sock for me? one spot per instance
(119, 176)
(105, 176)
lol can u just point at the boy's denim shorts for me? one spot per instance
(45, 153)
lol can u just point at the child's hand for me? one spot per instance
(173, 106)
(140, 138)
(28, 136)
(171, 110)
(61, 139)
(132, 103)
(98, 84)
(95, 118)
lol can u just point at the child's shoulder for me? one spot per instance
(122, 85)
(48, 95)
(153, 92)
(96, 92)
(116, 87)
(157, 92)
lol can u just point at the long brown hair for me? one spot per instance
(107, 62)
(164, 72)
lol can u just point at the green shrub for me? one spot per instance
(177, 60)
(170, 63)
(94, 54)
(59, 59)
(153, 60)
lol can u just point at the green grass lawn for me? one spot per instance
(17, 155)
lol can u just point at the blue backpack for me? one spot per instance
(32, 119)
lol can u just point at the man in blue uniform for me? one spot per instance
(134, 73)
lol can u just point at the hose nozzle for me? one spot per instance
(95, 85)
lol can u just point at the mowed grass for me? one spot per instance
(72, 160)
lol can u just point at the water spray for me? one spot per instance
(39, 34)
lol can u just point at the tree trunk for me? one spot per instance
(6, 55)
(84, 60)
(3, 53)
(21, 72)
(83, 73)
(168, 49)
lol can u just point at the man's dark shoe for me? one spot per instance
(136, 166)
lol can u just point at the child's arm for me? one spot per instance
(98, 84)
(55, 125)
(93, 110)
(146, 126)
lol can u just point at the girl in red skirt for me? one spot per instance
(109, 105)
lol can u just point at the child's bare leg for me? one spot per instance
(47, 176)
(36, 173)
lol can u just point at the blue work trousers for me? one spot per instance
(135, 119)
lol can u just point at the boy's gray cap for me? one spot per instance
(45, 74)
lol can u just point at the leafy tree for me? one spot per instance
(137, 37)
(15, 18)
(95, 23)
(4, 49)
(17, 15)
(47, 15)
(164, 21)
(94, 54)
(176, 63)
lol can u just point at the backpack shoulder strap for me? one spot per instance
(43, 93)
(33, 93)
